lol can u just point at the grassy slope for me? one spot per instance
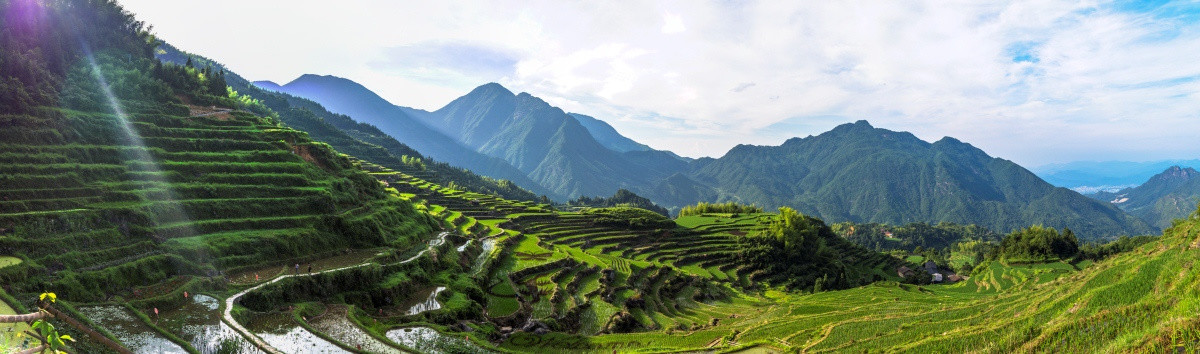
(92, 213)
(1142, 300)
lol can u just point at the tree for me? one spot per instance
(1038, 244)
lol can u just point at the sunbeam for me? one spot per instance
(169, 215)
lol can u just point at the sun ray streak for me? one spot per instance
(163, 206)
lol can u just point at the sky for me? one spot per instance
(1035, 82)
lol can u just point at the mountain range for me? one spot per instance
(1167, 196)
(859, 173)
(545, 144)
(1093, 176)
(853, 173)
(346, 97)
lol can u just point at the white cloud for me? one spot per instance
(672, 24)
(1033, 81)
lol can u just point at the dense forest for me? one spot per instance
(801, 252)
(723, 208)
(1038, 244)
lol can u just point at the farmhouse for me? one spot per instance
(930, 267)
(904, 271)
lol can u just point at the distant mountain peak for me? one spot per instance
(321, 78)
(491, 88)
(1175, 173)
(949, 140)
(857, 126)
(268, 85)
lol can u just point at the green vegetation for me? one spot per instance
(913, 236)
(629, 217)
(6, 261)
(1093, 251)
(164, 198)
(123, 181)
(722, 208)
(802, 253)
(1038, 244)
(623, 198)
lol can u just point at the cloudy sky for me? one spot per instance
(1032, 81)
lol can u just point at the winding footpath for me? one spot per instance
(227, 315)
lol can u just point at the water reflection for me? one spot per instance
(199, 322)
(429, 303)
(336, 325)
(130, 330)
(428, 340)
(281, 332)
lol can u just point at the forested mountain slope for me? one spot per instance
(546, 144)
(1163, 198)
(361, 105)
(859, 173)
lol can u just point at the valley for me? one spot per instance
(153, 201)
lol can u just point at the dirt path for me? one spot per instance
(227, 315)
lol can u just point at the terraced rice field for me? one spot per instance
(201, 194)
(131, 331)
(609, 288)
(547, 268)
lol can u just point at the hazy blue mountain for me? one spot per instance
(853, 173)
(858, 173)
(1167, 196)
(268, 85)
(1091, 176)
(347, 97)
(551, 146)
(607, 135)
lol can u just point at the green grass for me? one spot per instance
(6, 261)
(504, 305)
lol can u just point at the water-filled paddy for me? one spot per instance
(199, 322)
(130, 330)
(283, 333)
(335, 325)
(424, 300)
(428, 340)
(487, 245)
